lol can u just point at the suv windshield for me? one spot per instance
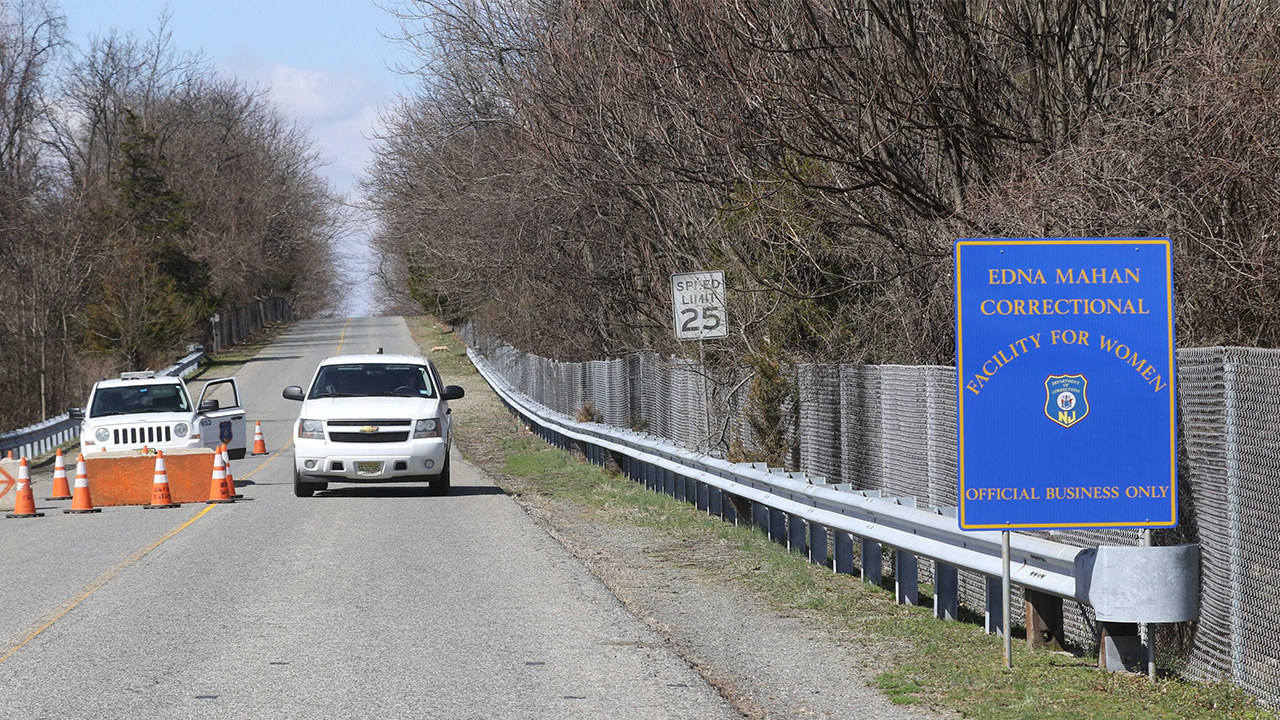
(372, 379)
(129, 399)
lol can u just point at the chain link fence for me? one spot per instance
(893, 428)
(232, 325)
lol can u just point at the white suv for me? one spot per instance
(372, 418)
(141, 409)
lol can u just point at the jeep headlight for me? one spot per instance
(180, 430)
(102, 435)
(311, 429)
(426, 428)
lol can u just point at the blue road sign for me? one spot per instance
(1065, 362)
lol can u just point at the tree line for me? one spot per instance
(560, 158)
(140, 191)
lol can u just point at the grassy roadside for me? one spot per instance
(951, 666)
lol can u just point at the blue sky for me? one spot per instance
(327, 62)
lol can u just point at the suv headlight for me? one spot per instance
(180, 430)
(426, 428)
(102, 435)
(311, 429)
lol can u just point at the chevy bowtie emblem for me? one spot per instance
(369, 429)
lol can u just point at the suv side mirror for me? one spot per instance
(208, 406)
(453, 392)
(293, 392)
(75, 414)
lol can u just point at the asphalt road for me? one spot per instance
(360, 602)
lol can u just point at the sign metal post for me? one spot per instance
(1006, 592)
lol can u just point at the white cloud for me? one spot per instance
(340, 105)
(317, 94)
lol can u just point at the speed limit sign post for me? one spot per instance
(697, 305)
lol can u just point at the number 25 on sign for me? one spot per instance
(697, 305)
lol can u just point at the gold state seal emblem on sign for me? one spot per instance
(1065, 401)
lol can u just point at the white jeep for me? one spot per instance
(142, 409)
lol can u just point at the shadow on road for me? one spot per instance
(406, 491)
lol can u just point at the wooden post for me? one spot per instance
(1044, 620)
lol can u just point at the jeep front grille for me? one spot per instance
(142, 434)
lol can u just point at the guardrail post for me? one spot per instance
(946, 591)
(665, 480)
(1044, 620)
(844, 552)
(872, 562)
(946, 583)
(994, 621)
(702, 496)
(690, 491)
(730, 507)
(676, 489)
(818, 544)
(906, 578)
(796, 540)
(1120, 647)
(777, 526)
(760, 516)
(715, 501)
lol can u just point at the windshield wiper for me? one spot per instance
(107, 414)
(333, 395)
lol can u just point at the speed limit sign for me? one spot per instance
(697, 305)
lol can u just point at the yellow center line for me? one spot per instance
(343, 337)
(121, 566)
(101, 580)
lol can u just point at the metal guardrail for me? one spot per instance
(35, 440)
(1123, 584)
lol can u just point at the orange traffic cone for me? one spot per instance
(218, 492)
(61, 491)
(9, 456)
(24, 502)
(259, 445)
(82, 503)
(160, 497)
(231, 481)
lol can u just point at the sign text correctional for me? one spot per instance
(1065, 367)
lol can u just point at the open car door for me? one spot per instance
(225, 423)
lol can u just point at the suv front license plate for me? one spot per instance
(369, 468)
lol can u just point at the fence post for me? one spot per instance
(1235, 541)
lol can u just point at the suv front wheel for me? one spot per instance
(440, 483)
(301, 488)
(304, 488)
